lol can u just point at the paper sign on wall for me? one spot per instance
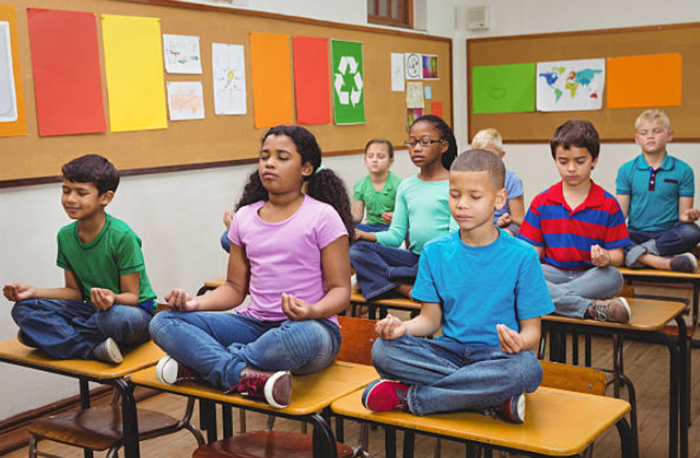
(397, 72)
(12, 117)
(228, 70)
(8, 97)
(414, 94)
(414, 66)
(570, 85)
(272, 79)
(186, 100)
(181, 53)
(348, 82)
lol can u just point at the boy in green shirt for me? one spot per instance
(107, 299)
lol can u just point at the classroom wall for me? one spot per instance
(178, 215)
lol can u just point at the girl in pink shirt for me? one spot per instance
(290, 253)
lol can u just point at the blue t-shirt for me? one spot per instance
(514, 186)
(480, 287)
(654, 194)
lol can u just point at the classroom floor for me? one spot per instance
(646, 364)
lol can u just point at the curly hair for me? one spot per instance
(446, 133)
(323, 184)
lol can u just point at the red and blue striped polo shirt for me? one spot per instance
(567, 235)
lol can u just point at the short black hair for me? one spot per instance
(480, 160)
(578, 133)
(381, 141)
(92, 168)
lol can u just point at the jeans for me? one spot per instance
(680, 238)
(573, 290)
(72, 329)
(380, 269)
(372, 227)
(447, 376)
(219, 345)
(225, 242)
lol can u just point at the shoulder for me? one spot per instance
(629, 166)
(316, 207)
(119, 231)
(249, 210)
(441, 243)
(540, 198)
(519, 247)
(361, 183)
(67, 230)
(409, 182)
(393, 178)
(683, 167)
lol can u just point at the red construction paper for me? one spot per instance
(437, 109)
(311, 80)
(67, 80)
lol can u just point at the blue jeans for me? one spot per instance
(573, 290)
(72, 329)
(219, 345)
(372, 227)
(225, 242)
(446, 376)
(380, 269)
(680, 238)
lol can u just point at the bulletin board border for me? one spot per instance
(579, 33)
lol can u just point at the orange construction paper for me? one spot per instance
(437, 109)
(271, 68)
(8, 13)
(652, 80)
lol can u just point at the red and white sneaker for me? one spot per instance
(170, 372)
(512, 409)
(275, 388)
(385, 395)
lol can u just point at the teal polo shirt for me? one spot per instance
(654, 194)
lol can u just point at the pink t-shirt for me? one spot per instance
(285, 257)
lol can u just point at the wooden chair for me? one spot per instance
(358, 338)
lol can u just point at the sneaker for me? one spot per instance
(354, 285)
(275, 388)
(108, 352)
(616, 310)
(170, 372)
(512, 409)
(385, 395)
(25, 340)
(686, 262)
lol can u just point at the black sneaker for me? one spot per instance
(170, 372)
(512, 409)
(686, 262)
(275, 388)
(108, 352)
(25, 340)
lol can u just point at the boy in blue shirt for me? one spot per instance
(483, 359)
(107, 299)
(655, 191)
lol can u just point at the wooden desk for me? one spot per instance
(311, 395)
(141, 357)
(558, 423)
(397, 303)
(649, 318)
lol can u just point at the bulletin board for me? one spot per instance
(613, 124)
(217, 141)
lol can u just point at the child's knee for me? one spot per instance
(159, 323)
(21, 309)
(384, 352)
(689, 232)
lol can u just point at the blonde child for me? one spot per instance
(289, 251)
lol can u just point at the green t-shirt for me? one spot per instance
(115, 251)
(376, 202)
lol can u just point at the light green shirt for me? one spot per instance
(376, 202)
(422, 211)
(115, 251)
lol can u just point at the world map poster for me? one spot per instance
(570, 85)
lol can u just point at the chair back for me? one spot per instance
(358, 338)
(573, 378)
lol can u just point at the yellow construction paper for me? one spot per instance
(134, 67)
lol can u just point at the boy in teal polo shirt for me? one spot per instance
(107, 299)
(655, 191)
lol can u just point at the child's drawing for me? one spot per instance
(182, 54)
(228, 62)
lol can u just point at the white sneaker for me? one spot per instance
(170, 372)
(108, 352)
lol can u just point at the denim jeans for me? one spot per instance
(680, 238)
(372, 227)
(573, 290)
(380, 269)
(447, 376)
(225, 242)
(72, 329)
(219, 345)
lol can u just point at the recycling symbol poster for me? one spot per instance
(348, 82)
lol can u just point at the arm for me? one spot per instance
(600, 257)
(624, 201)
(225, 297)
(72, 291)
(395, 235)
(425, 324)
(129, 295)
(515, 342)
(517, 210)
(686, 212)
(335, 262)
(358, 211)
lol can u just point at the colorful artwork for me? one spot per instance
(430, 67)
(182, 54)
(397, 72)
(411, 115)
(503, 88)
(653, 80)
(414, 94)
(186, 100)
(348, 82)
(228, 70)
(414, 66)
(8, 98)
(570, 85)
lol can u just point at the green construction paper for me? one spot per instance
(503, 88)
(348, 82)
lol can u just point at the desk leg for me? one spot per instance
(675, 378)
(684, 384)
(389, 442)
(323, 439)
(227, 420)
(408, 443)
(85, 404)
(130, 420)
(207, 419)
(623, 428)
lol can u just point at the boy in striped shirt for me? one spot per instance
(579, 231)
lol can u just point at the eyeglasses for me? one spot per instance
(423, 142)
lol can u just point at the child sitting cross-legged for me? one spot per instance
(483, 359)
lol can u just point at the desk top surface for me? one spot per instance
(665, 274)
(557, 422)
(310, 393)
(647, 315)
(141, 357)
